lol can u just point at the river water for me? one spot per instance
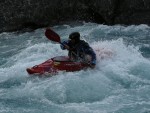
(120, 83)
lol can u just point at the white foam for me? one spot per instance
(120, 73)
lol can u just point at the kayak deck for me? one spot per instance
(53, 65)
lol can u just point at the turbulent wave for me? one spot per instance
(120, 83)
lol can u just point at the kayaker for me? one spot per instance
(79, 49)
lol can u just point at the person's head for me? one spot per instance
(74, 37)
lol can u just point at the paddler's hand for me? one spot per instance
(92, 66)
(67, 47)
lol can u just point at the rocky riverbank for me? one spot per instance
(20, 14)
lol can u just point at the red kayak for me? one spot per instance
(56, 64)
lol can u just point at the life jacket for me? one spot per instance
(79, 50)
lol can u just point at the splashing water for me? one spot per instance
(120, 83)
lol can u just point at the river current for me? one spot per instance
(120, 83)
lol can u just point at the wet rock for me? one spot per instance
(20, 14)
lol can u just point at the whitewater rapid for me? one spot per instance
(120, 83)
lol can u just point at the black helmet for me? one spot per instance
(75, 36)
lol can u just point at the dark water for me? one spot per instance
(119, 84)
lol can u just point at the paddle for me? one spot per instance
(53, 36)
